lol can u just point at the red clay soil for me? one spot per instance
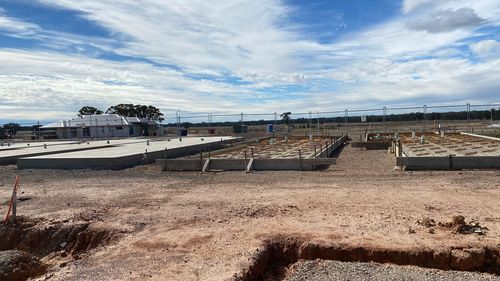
(192, 226)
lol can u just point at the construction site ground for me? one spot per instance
(193, 226)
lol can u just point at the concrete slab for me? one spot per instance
(9, 157)
(4, 146)
(124, 155)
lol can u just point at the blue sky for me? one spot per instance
(202, 56)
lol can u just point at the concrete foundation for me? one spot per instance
(242, 164)
(239, 162)
(4, 146)
(372, 145)
(10, 157)
(125, 155)
(448, 152)
(449, 163)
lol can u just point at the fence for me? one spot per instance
(475, 118)
(479, 118)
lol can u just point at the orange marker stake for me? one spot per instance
(12, 198)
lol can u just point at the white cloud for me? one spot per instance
(17, 27)
(410, 5)
(39, 82)
(486, 48)
(446, 20)
(237, 35)
(252, 42)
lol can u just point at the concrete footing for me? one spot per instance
(242, 164)
(248, 164)
(372, 145)
(449, 163)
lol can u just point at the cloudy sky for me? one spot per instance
(201, 56)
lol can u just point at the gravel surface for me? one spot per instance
(320, 270)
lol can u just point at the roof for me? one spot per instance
(98, 120)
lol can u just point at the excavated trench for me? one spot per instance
(30, 246)
(271, 261)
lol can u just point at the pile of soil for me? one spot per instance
(457, 225)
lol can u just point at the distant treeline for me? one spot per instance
(414, 116)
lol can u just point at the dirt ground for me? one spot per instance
(192, 226)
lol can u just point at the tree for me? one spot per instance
(285, 116)
(141, 111)
(153, 113)
(10, 129)
(89, 110)
(122, 109)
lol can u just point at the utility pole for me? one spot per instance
(178, 120)
(383, 118)
(346, 118)
(317, 121)
(309, 123)
(425, 118)
(468, 117)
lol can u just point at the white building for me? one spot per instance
(102, 126)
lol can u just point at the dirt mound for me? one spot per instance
(457, 225)
(18, 265)
(258, 211)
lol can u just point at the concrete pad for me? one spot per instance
(124, 155)
(4, 146)
(9, 157)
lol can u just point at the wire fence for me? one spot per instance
(468, 117)
(478, 118)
